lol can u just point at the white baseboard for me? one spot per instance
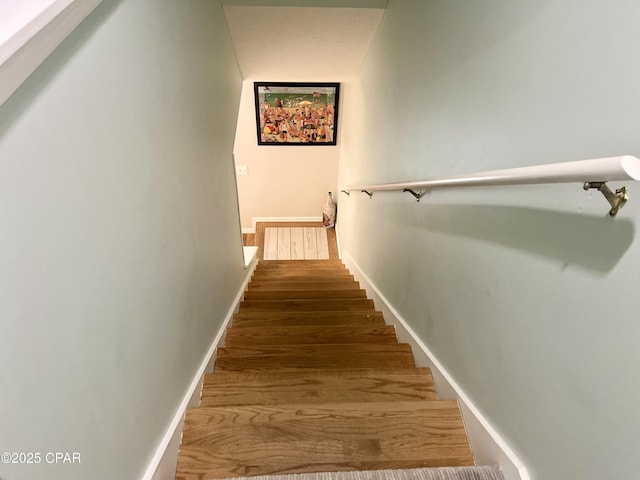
(255, 220)
(163, 463)
(489, 448)
(338, 241)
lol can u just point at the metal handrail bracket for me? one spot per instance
(593, 173)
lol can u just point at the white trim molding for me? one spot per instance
(250, 255)
(163, 463)
(488, 447)
(338, 241)
(37, 34)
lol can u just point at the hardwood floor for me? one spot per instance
(249, 239)
(311, 379)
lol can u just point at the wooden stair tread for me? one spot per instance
(366, 313)
(318, 361)
(303, 278)
(301, 266)
(311, 349)
(344, 334)
(335, 433)
(303, 274)
(302, 269)
(275, 279)
(318, 387)
(310, 380)
(336, 267)
(288, 263)
(347, 304)
(302, 321)
(279, 285)
(437, 411)
(259, 377)
(304, 294)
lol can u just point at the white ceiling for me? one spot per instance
(276, 43)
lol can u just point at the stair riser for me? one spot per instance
(322, 316)
(310, 336)
(302, 280)
(252, 295)
(286, 263)
(260, 378)
(292, 322)
(275, 286)
(311, 340)
(309, 350)
(306, 305)
(292, 363)
(306, 272)
(320, 275)
(335, 267)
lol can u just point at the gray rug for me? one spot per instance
(445, 473)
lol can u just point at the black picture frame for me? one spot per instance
(297, 113)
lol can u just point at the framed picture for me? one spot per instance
(296, 113)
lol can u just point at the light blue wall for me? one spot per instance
(526, 294)
(120, 249)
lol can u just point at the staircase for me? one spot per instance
(312, 380)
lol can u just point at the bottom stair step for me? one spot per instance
(219, 442)
(487, 472)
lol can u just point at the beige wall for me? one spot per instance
(283, 181)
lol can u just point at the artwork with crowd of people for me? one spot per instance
(296, 113)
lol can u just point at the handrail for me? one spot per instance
(591, 173)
